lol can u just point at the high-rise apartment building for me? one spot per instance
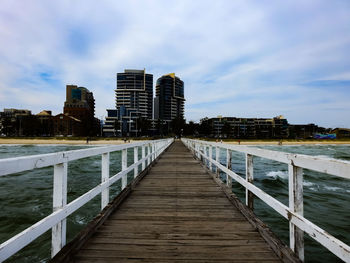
(134, 98)
(170, 99)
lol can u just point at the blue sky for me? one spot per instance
(237, 58)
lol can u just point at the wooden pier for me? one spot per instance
(177, 213)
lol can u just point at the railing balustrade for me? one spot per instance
(61, 210)
(298, 224)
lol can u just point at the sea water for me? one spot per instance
(326, 197)
(26, 197)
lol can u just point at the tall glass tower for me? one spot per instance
(170, 98)
(134, 98)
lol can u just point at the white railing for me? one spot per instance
(298, 224)
(61, 210)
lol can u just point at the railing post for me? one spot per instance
(136, 159)
(105, 178)
(148, 154)
(153, 151)
(59, 201)
(210, 157)
(143, 151)
(124, 166)
(228, 166)
(201, 151)
(249, 196)
(296, 235)
(217, 159)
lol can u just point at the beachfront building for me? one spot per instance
(250, 128)
(170, 99)
(134, 101)
(14, 122)
(111, 126)
(65, 125)
(80, 104)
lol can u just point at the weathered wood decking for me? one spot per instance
(177, 213)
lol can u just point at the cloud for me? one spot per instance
(237, 58)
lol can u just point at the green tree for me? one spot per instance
(177, 126)
(204, 127)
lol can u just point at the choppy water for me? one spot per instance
(326, 197)
(25, 198)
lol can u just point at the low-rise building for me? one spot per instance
(65, 125)
(233, 127)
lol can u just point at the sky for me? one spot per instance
(237, 58)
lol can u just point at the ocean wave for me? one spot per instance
(280, 174)
(305, 183)
(333, 188)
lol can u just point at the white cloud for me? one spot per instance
(248, 52)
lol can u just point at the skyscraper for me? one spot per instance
(170, 100)
(134, 98)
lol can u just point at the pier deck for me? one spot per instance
(177, 213)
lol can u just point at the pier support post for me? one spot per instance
(228, 166)
(143, 152)
(124, 166)
(59, 201)
(136, 159)
(296, 204)
(105, 178)
(249, 196)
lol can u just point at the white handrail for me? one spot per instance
(294, 213)
(61, 210)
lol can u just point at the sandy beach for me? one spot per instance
(289, 142)
(113, 142)
(63, 141)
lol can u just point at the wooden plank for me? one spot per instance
(154, 254)
(67, 253)
(178, 214)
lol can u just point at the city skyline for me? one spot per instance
(244, 59)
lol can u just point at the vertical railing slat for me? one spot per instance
(296, 235)
(143, 152)
(105, 178)
(250, 179)
(210, 157)
(217, 159)
(148, 154)
(59, 201)
(124, 166)
(228, 166)
(136, 159)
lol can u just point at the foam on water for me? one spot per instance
(308, 184)
(280, 174)
(333, 188)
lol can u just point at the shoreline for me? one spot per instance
(47, 141)
(4, 141)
